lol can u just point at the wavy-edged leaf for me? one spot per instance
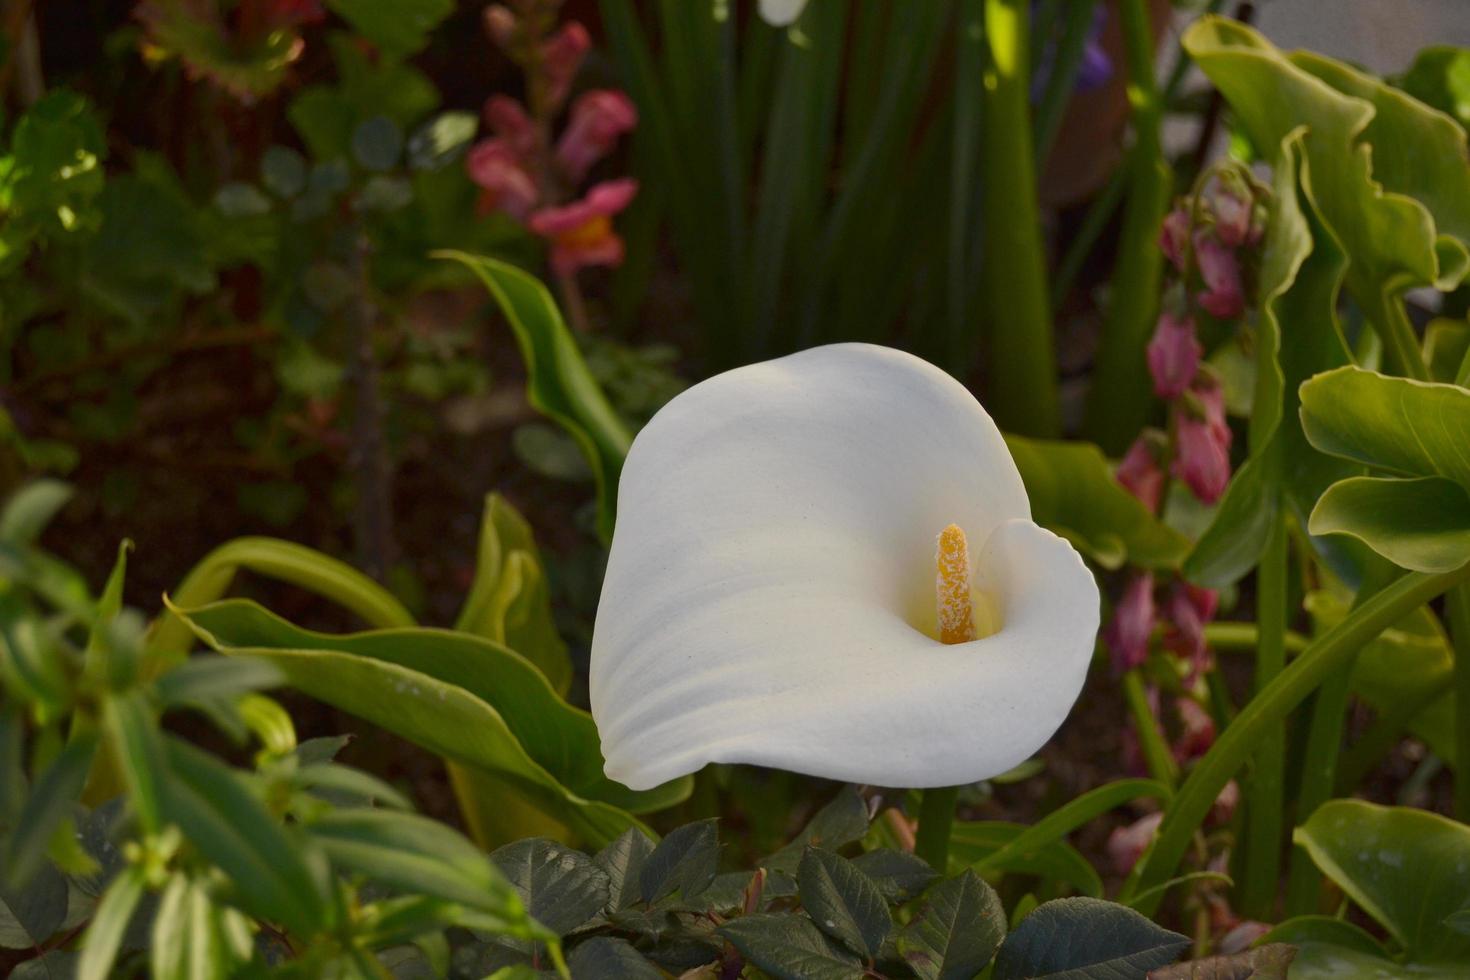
(1406, 868)
(559, 385)
(1073, 492)
(463, 697)
(1422, 524)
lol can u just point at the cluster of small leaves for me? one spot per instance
(126, 845)
(640, 909)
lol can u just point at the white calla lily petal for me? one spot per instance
(770, 591)
(780, 13)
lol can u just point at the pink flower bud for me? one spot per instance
(1233, 206)
(1140, 474)
(1187, 610)
(598, 118)
(1174, 236)
(1242, 936)
(1173, 355)
(1224, 806)
(1196, 730)
(1223, 296)
(507, 186)
(508, 119)
(1128, 632)
(501, 24)
(1202, 441)
(1127, 844)
(561, 58)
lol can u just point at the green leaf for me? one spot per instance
(286, 562)
(509, 601)
(283, 171)
(377, 143)
(49, 804)
(957, 930)
(1312, 930)
(105, 933)
(276, 874)
(898, 874)
(844, 903)
(1073, 493)
(55, 964)
(419, 856)
(1446, 342)
(559, 385)
(605, 958)
(138, 749)
(1406, 868)
(1080, 938)
(211, 676)
(335, 782)
(842, 820)
(1420, 524)
(1267, 962)
(622, 861)
(972, 842)
(29, 509)
(442, 140)
(465, 698)
(399, 28)
(241, 200)
(31, 915)
(789, 947)
(560, 886)
(684, 862)
(1408, 427)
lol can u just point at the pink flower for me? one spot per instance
(1127, 844)
(1224, 806)
(1233, 206)
(598, 118)
(1197, 730)
(1202, 440)
(1128, 632)
(561, 58)
(1242, 936)
(507, 118)
(1174, 236)
(1223, 295)
(1187, 610)
(1173, 355)
(501, 24)
(496, 167)
(1140, 474)
(581, 233)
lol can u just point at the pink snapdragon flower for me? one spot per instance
(1187, 609)
(1233, 207)
(1128, 632)
(1223, 295)
(506, 184)
(581, 233)
(1139, 471)
(1202, 439)
(598, 118)
(1173, 355)
(561, 59)
(1174, 236)
(507, 119)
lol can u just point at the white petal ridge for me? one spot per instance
(775, 541)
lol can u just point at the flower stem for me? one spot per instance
(1156, 755)
(1023, 396)
(1264, 793)
(936, 819)
(1268, 709)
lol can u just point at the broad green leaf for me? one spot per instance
(276, 874)
(560, 886)
(1314, 930)
(1297, 335)
(1406, 868)
(606, 958)
(56, 964)
(283, 171)
(1073, 492)
(1440, 77)
(287, 562)
(1446, 343)
(844, 903)
(622, 861)
(1407, 427)
(972, 842)
(1421, 524)
(497, 712)
(683, 863)
(842, 820)
(559, 384)
(956, 931)
(898, 874)
(509, 601)
(1266, 962)
(399, 28)
(29, 916)
(105, 933)
(50, 803)
(1081, 938)
(789, 947)
(28, 510)
(420, 856)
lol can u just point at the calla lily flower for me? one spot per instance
(780, 13)
(791, 544)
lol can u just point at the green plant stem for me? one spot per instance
(1264, 794)
(1119, 403)
(936, 820)
(1247, 636)
(1268, 709)
(1385, 311)
(1458, 609)
(1156, 754)
(964, 151)
(1023, 391)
